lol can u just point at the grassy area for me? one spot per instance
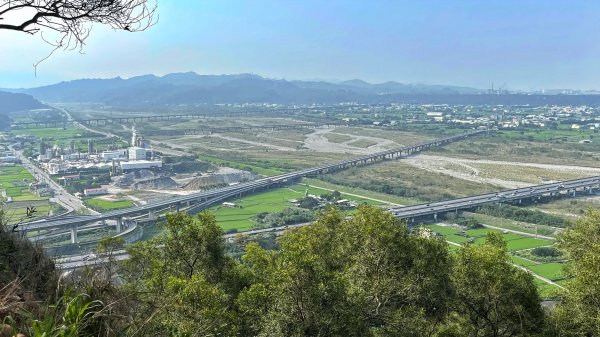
(15, 180)
(240, 165)
(568, 207)
(16, 215)
(334, 137)
(552, 271)
(63, 136)
(534, 175)
(400, 137)
(562, 134)
(101, 205)
(363, 143)
(514, 242)
(514, 225)
(404, 180)
(501, 148)
(51, 133)
(522, 262)
(263, 138)
(271, 202)
(358, 191)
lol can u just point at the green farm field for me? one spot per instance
(271, 202)
(102, 205)
(51, 133)
(514, 242)
(14, 181)
(240, 165)
(62, 137)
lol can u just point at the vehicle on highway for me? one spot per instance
(88, 257)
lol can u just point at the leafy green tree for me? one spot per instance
(185, 283)
(400, 281)
(494, 298)
(579, 311)
(364, 276)
(308, 202)
(302, 284)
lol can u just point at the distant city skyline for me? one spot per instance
(521, 45)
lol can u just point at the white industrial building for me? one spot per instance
(74, 156)
(140, 165)
(138, 153)
(95, 191)
(110, 155)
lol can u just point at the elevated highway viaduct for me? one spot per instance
(169, 116)
(238, 129)
(199, 201)
(572, 187)
(518, 195)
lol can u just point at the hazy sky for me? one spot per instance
(525, 44)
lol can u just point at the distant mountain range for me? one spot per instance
(13, 102)
(191, 88)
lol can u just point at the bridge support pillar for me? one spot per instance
(151, 214)
(119, 225)
(73, 231)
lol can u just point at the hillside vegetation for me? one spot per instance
(368, 275)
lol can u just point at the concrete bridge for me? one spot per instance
(239, 129)
(518, 195)
(570, 187)
(166, 117)
(199, 201)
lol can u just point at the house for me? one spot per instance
(72, 177)
(95, 191)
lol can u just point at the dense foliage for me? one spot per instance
(368, 275)
(385, 187)
(579, 315)
(289, 216)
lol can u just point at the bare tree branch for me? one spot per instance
(73, 19)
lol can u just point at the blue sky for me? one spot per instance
(526, 44)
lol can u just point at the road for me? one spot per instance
(514, 195)
(531, 235)
(206, 199)
(78, 261)
(84, 127)
(62, 196)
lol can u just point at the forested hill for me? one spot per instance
(191, 88)
(14, 102)
(11, 102)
